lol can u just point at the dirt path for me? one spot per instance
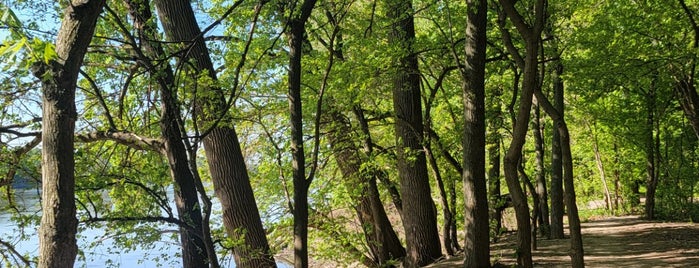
(613, 242)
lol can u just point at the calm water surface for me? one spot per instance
(164, 253)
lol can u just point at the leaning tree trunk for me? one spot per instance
(529, 64)
(194, 251)
(576, 244)
(57, 242)
(419, 215)
(476, 223)
(228, 172)
(382, 240)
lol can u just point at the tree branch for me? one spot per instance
(125, 138)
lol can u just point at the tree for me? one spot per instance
(557, 209)
(296, 30)
(531, 33)
(57, 244)
(419, 215)
(195, 253)
(540, 189)
(228, 171)
(477, 246)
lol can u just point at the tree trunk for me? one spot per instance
(617, 179)
(228, 172)
(476, 223)
(529, 64)
(557, 209)
(295, 34)
(381, 238)
(685, 88)
(651, 177)
(448, 218)
(419, 215)
(380, 175)
(493, 146)
(576, 244)
(540, 190)
(194, 252)
(57, 242)
(600, 168)
(535, 200)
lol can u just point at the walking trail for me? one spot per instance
(627, 241)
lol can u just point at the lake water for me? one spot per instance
(163, 253)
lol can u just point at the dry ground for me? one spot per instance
(626, 241)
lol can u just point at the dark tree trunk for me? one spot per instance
(381, 238)
(57, 243)
(419, 215)
(540, 189)
(529, 64)
(651, 176)
(194, 252)
(617, 179)
(295, 34)
(557, 209)
(535, 200)
(685, 88)
(493, 146)
(576, 244)
(449, 222)
(228, 172)
(477, 244)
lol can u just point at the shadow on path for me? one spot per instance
(626, 241)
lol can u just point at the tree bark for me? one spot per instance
(228, 172)
(576, 244)
(557, 208)
(600, 168)
(295, 34)
(685, 88)
(493, 140)
(57, 242)
(651, 177)
(419, 215)
(194, 251)
(540, 189)
(476, 223)
(381, 238)
(529, 63)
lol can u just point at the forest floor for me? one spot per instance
(626, 241)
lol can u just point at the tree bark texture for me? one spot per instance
(419, 215)
(194, 251)
(57, 242)
(295, 34)
(540, 189)
(476, 223)
(381, 238)
(493, 140)
(529, 64)
(228, 171)
(576, 244)
(557, 209)
(602, 173)
(651, 177)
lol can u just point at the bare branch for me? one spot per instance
(125, 138)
